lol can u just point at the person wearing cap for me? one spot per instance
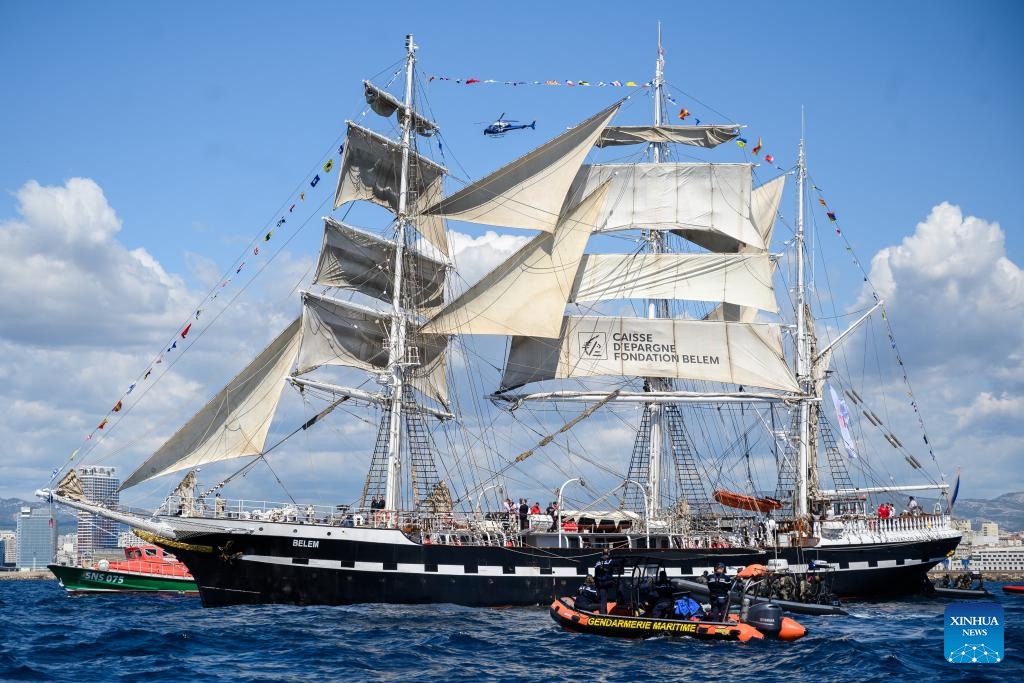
(604, 576)
(586, 597)
(718, 588)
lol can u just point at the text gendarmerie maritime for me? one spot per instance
(641, 347)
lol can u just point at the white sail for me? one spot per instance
(432, 228)
(359, 260)
(734, 353)
(342, 333)
(371, 169)
(764, 208)
(526, 294)
(744, 279)
(711, 198)
(529, 192)
(235, 422)
(698, 136)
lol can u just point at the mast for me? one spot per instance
(803, 371)
(396, 352)
(656, 308)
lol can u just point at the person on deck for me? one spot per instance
(718, 589)
(586, 597)
(914, 507)
(524, 511)
(218, 505)
(604, 576)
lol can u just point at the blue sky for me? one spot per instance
(198, 120)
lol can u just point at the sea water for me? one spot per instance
(46, 634)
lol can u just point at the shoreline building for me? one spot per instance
(97, 533)
(37, 538)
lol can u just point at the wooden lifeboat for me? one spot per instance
(745, 502)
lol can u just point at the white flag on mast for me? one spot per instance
(843, 416)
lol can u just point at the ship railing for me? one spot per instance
(154, 567)
(876, 525)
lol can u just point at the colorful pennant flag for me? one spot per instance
(821, 200)
(831, 216)
(148, 373)
(769, 158)
(117, 407)
(757, 147)
(266, 238)
(683, 113)
(281, 222)
(316, 179)
(471, 81)
(103, 424)
(184, 332)
(329, 165)
(741, 142)
(302, 196)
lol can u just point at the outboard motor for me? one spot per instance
(766, 617)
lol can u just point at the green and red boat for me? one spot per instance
(145, 568)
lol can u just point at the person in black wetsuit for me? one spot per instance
(718, 587)
(586, 597)
(604, 576)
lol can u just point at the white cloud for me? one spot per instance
(69, 282)
(956, 303)
(990, 411)
(953, 280)
(474, 256)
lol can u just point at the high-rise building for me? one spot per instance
(37, 537)
(10, 545)
(94, 532)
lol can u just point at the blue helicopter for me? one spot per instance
(503, 125)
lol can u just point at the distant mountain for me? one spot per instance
(1007, 511)
(10, 508)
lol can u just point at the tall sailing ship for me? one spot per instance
(699, 235)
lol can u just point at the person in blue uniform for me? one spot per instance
(718, 587)
(586, 597)
(604, 577)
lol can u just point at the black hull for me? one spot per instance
(232, 569)
(876, 570)
(316, 565)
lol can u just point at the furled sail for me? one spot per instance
(235, 422)
(371, 169)
(385, 104)
(711, 198)
(362, 261)
(342, 333)
(526, 294)
(744, 279)
(528, 192)
(699, 136)
(734, 353)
